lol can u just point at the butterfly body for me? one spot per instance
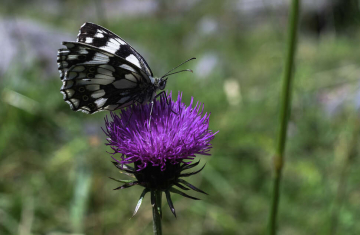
(100, 71)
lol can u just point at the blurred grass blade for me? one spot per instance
(284, 111)
(20, 101)
(80, 198)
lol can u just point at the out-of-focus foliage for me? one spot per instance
(54, 167)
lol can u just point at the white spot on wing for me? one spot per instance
(108, 67)
(130, 77)
(110, 48)
(69, 93)
(64, 94)
(72, 57)
(67, 84)
(83, 51)
(100, 102)
(105, 72)
(115, 42)
(89, 40)
(94, 82)
(152, 79)
(101, 57)
(132, 59)
(102, 76)
(111, 107)
(98, 94)
(127, 67)
(121, 41)
(75, 102)
(113, 45)
(99, 34)
(85, 109)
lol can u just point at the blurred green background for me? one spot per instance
(54, 167)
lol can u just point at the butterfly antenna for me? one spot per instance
(185, 70)
(178, 67)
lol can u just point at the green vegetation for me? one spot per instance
(54, 167)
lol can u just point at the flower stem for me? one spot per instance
(284, 112)
(157, 214)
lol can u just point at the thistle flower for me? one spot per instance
(162, 149)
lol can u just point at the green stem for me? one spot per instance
(157, 214)
(284, 112)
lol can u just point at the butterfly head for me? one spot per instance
(162, 83)
(159, 83)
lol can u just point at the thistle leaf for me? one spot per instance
(127, 185)
(191, 186)
(192, 173)
(173, 190)
(140, 200)
(122, 181)
(181, 187)
(189, 166)
(168, 198)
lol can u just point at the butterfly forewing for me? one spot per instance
(95, 79)
(100, 37)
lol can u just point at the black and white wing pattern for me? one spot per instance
(102, 72)
(102, 38)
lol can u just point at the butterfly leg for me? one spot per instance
(167, 101)
(152, 105)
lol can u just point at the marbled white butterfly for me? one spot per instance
(100, 71)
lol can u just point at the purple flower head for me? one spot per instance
(177, 132)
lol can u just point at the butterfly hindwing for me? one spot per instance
(104, 39)
(93, 88)
(96, 80)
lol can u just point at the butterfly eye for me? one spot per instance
(82, 89)
(162, 84)
(85, 98)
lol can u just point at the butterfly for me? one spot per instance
(100, 71)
